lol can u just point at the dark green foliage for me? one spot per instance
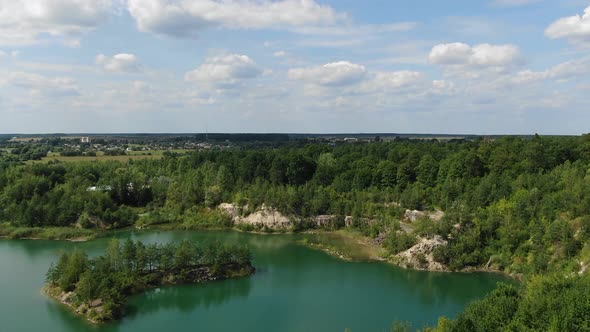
(68, 270)
(398, 241)
(491, 313)
(551, 303)
(129, 267)
(520, 204)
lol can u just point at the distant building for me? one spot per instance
(85, 140)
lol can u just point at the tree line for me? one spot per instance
(519, 203)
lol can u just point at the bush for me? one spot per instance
(398, 241)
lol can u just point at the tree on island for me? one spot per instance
(97, 287)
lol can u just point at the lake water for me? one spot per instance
(295, 289)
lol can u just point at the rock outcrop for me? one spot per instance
(91, 311)
(264, 216)
(413, 215)
(232, 210)
(420, 255)
(348, 221)
(324, 220)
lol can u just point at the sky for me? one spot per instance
(295, 66)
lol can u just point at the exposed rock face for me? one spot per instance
(264, 216)
(420, 255)
(66, 297)
(348, 221)
(380, 239)
(87, 221)
(91, 311)
(268, 217)
(437, 215)
(324, 220)
(413, 215)
(232, 210)
(95, 303)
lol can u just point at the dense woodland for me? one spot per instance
(524, 203)
(551, 303)
(132, 267)
(521, 205)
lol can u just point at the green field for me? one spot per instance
(133, 155)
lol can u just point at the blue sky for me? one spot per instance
(457, 66)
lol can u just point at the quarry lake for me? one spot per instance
(295, 288)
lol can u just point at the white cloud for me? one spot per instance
(388, 82)
(332, 74)
(442, 87)
(561, 72)
(570, 69)
(119, 63)
(482, 55)
(398, 79)
(37, 84)
(495, 55)
(353, 82)
(24, 22)
(224, 71)
(183, 18)
(450, 54)
(529, 76)
(573, 28)
(280, 54)
(141, 87)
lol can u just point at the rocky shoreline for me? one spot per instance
(267, 219)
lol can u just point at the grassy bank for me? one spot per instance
(47, 233)
(345, 244)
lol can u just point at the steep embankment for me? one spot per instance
(419, 256)
(263, 217)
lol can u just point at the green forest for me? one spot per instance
(515, 204)
(548, 303)
(523, 203)
(101, 285)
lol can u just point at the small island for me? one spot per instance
(97, 288)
